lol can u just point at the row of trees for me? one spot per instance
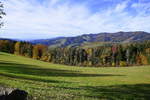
(23, 48)
(106, 55)
(114, 55)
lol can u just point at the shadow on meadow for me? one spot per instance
(14, 68)
(115, 92)
(32, 79)
(122, 92)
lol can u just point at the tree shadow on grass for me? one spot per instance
(119, 92)
(115, 92)
(32, 79)
(35, 70)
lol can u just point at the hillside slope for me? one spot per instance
(121, 37)
(46, 81)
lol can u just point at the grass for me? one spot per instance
(46, 81)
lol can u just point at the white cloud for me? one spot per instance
(29, 19)
(121, 6)
(142, 8)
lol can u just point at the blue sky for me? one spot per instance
(35, 19)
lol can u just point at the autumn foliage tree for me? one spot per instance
(7, 46)
(17, 48)
(106, 55)
(39, 51)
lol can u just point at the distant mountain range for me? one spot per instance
(90, 39)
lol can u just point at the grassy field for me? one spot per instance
(48, 81)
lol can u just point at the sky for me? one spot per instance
(39, 19)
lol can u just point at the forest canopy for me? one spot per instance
(105, 55)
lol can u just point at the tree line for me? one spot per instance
(106, 55)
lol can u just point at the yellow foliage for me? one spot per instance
(141, 59)
(44, 58)
(35, 52)
(89, 51)
(122, 63)
(148, 50)
(90, 63)
(144, 60)
(17, 48)
(113, 64)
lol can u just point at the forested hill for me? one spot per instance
(121, 37)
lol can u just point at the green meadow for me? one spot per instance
(47, 81)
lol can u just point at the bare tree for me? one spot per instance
(2, 13)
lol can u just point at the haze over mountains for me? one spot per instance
(121, 37)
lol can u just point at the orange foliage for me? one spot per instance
(38, 51)
(142, 60)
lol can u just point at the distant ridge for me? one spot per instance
(120, 37)
(92, 39)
